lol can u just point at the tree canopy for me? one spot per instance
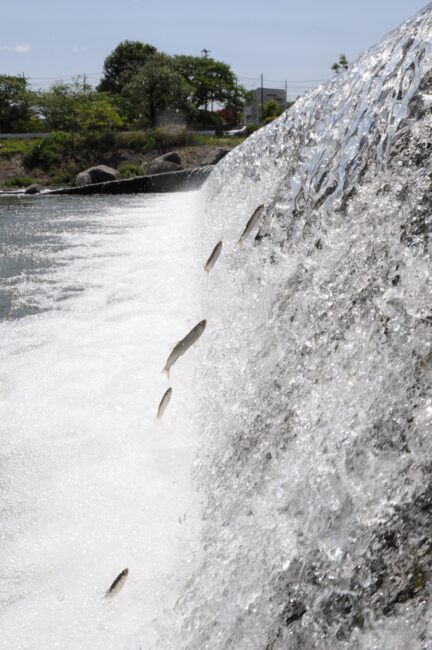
(15, 103)
(134, 67)
(123, 64)
(211, 81)
(77, 107)
(156, 87)
(138, 86)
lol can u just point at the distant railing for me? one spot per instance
(22, 136)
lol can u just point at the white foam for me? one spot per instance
(91, 481)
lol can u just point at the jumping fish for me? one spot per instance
(213, 257)
(184, 345)
(164, 402)
(117, 584)
(251, 223)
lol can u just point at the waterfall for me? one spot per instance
(315, 371)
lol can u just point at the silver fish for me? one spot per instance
(184, 345)
(252, 222)
(164, 402)
(118, 583)
(213, 257)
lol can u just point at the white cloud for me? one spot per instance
(21, 49)
(77, 49)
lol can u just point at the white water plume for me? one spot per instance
(91, 481)
(315, 418)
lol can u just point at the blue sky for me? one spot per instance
(296, 40)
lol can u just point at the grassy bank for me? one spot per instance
(58, 158)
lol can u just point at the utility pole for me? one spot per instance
(286, 93)
(205, 53)
(262, 98)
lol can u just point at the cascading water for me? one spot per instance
(315, 371)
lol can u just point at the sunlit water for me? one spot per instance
(314, 389)
(94, 294)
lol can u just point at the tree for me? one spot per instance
(77, 107)
(342, 64)
(156, 87)
(122, 65)
(15, 101)
(211, 82)
(271, 109)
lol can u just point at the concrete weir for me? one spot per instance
(179, 181)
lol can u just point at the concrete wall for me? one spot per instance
(181, 181)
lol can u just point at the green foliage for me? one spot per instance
(76, 107)
(251, 128)
(139, 141)
(15, 100)
(203, 120)
(123, 64)
(96, 113)
(12, 147)
(168, 137)
(130, 170)
(144, 83)
(18, 181)
(50, 152)
(271, 109)
(199, 140)
(57, 105)
(210, 81)
(155, 88)
(342, 64)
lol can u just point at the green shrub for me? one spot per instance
(51, 151)
(129, 170)
(18, 181)
(11, 147)
(139, 141)
(251, 128)
(202, 120)
(168, 137)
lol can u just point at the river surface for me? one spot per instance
(94, 292)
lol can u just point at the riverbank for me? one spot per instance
(57, 159)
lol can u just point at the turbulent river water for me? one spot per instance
(94, 293)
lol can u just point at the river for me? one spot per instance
(94, 293)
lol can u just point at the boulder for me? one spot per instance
(212, 157)
(98, 174)
(173, 156)
(33, 189)
(162, 166)
(170, 162)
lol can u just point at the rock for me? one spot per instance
(98, 174)
(33, 189)
(213, 156)
(169, 162)
(161, 165)
(173, 156)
